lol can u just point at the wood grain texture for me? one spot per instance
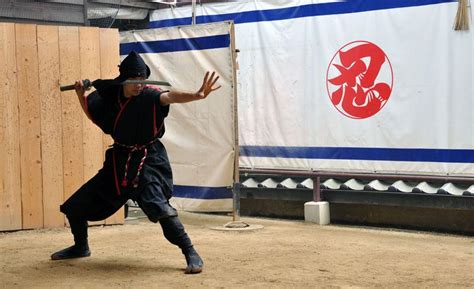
(92, 135)
(70, 68)
(109, 61)
(10, 186)
(30, 125)
(51, 128)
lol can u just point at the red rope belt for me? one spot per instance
(131, 149)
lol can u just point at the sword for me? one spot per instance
(155, 82)
(87, 83)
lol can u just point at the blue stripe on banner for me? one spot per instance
(207, 193)
(171, 22)
(182, 44)
(371, 154)
(320, 9)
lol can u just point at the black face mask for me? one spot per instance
(133, 66)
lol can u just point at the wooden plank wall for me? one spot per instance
(50, 148)
(70, 70)
(10, 188)
(108, 70)
(30, 129)
(51, 128)
(92, 135)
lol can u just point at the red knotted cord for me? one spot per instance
(131, 149)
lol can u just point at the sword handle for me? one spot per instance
(86, 82)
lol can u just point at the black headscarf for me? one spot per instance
(132, 66)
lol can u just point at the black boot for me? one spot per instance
(195, 263)
(174, 232)
(81, 247)
(74, 251)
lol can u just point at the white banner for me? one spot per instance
(370, 86)
(199, 135)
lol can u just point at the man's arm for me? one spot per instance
(176, 96)
(80, 91)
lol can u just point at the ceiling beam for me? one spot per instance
(70, 2)
(47, 12)
(128, 3)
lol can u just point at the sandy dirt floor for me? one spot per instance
(283, 254)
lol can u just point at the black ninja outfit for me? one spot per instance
(136, 166)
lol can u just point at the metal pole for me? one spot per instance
(236, 203)
(236, 195)
(317, 189)
(194, 12)
(86, 21)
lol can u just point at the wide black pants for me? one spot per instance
(98, 199)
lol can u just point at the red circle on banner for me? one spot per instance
(359, 79)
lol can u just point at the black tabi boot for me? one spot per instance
(175, 234)
(193, 260)
(81, 247)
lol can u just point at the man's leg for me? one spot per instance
(155, 205)
(174, 232)
(80, 247)
(87, 204)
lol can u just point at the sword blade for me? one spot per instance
(156, 82)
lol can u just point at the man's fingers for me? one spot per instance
(79, 83)
(215, 80)
(210, 79)
(80, 88)
(205, 78)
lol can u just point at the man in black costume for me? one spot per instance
(136, 166)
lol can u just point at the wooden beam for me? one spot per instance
(109, 59)
(70, 2)
(70, 71)
(128, 3)
(51, 128)
(91, 134)
(10, 187)
(30, 126)
(49, 12)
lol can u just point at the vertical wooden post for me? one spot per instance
(51, 128)
(10, 187)
(109, 64)
(30, 125)
(90, 68)
(70, 68)
(92, 135)
(109, 61)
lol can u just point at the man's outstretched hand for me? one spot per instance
(177, 96)
(208, 85)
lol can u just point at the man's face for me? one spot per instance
(133, 89)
